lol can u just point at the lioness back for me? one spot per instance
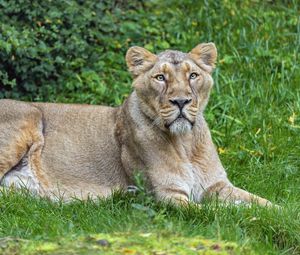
(79, 153)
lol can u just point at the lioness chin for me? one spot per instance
(61, 150)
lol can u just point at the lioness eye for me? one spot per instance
(193, 76)
(160, 77)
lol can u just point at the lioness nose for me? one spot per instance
(180, 102)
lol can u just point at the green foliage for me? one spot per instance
(73, 51)
(66, 51)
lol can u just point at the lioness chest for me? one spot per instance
(175, 163)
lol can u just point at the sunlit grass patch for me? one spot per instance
(122, 243)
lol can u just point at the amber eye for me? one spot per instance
(160, 77)
(193, 76)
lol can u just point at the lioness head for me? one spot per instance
(173, 87)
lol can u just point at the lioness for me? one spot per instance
(84, 150)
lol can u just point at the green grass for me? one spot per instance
(123, 243)
(254, 114)
(258, 229)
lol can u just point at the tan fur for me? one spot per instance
(84, 150)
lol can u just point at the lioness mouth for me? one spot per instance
(180, 119)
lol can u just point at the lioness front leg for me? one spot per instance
(210, 168)
(174, 195)
(226, 192)
(172, 183)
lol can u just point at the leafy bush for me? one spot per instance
(65, 50)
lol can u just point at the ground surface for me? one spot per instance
(254, 114)
(126, 243)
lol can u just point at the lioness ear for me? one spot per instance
(205, 55)
(139, 60)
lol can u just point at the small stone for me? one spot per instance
(103, 242)
(200, 247)
(216, 247)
